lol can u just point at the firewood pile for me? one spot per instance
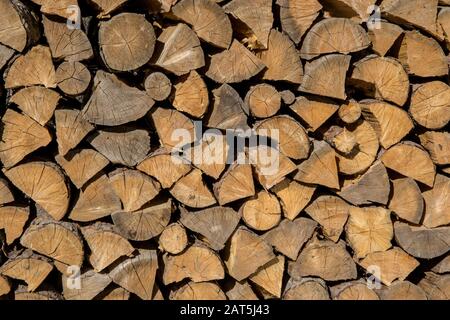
(235, 149)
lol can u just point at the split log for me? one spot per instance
(393, 264)
(6, 195)
(106, 7)
(380, 114)
(114, 103)
(411, 161)
(20, 26)
(5, 286)
(444, 24)
(436, 287)
(437, 145)
(324, 259)
(176, 58)
(261, 213)
(174, 128)
(191, 95)
(234, 65)
(384, 37)
(137, 274)
(293, 196)
(57, 240)
(158, 86)
(240, 291)
(306, 289)
(57, 7)
(245, 253)
(320, 168)
(29, 267)
(371, 187)
(5, 55)
(297, 16)
(97, 200)
(33, 68)
(198, 263)
(162, 166)
(236, 183)
(369, 230)
(422, 242)
(134, 188)
(364, 151)
(144, 224)
(126, 41)
(317, 81)
(123, 145)
(38, 103)
(73, 78)
(437, 205)
(263, 101)
(429, 104)
(350, 112)
(314, 111)
(118, 293)
(416, 62)
(215, 224)
(198, 291)
(91, 284)
(406, 200)
(292, 138)
(331, 213)
(353, 290)
(281, 59)
(290, 236)
(334, 35)
(382, 78)
(20, 136)
(256, 18)
(44, 183)
(192, 191)
(82, 165)
(71, 129)
(66, 43)
(13, 220)
(402, 290)
(443, 266)
(22, 294)
(105, 244)
(270, 277)
(173, 239)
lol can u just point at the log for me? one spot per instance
(263, 101)
(261, 213)
(106, 7)
(293, 196)
(66, 43)
(240, 291)
(236, 183)
(442, 266)
(91, 283)
(5, 287)
(394, 264)
(56, 8)
(216, 224)
(320, 258)
(71, 129)
(82, 165)
(192, 191)
(402, 290)
(21, 135)
(353, 290)
(191, 95)
(331, 213)
(369, 230)
(315, 112)
(384, 37)
(198, 263)
(73, 78)
(437, 206)
(437, 145)
(38, 103)
(13, 220)
(114, 103)
(381, 78)
(306, 289)
(118, 293)
(22, 294)
(5, 55)
(270, 277)
(429, 104)
(406, 200)
(106, 245)
(316, 80)
(33, 68)
(6, 195)
(334, 35)
(44, 183)
(435, 287)
(398, 157)
(126, 41)
(173, 239)
(444, 23)
(350, 112)
(199, 291)
(146, 223)
(158, 86)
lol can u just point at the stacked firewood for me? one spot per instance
(130, 168)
